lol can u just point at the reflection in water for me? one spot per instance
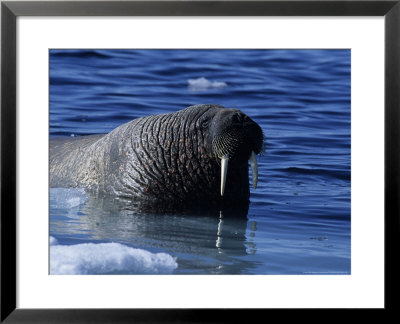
(204, 241)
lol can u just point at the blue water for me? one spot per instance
(299, 218)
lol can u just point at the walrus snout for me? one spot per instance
(236, 140)
(236, 135)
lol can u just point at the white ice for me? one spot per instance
(204, 84)
(106, 258)
(53, 241)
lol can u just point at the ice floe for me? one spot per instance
(202, 84)
(107, 258)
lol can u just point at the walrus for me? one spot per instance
(196, 157)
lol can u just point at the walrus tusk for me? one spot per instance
(254, 168)
(224, 170)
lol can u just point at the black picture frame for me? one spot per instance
(10, 10)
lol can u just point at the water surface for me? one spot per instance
(299, 216)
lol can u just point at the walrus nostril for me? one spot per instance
(238, 117)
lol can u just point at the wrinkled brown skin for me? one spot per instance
(159, 163)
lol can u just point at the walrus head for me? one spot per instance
(236, 138)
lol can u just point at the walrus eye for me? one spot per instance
(204, 123)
